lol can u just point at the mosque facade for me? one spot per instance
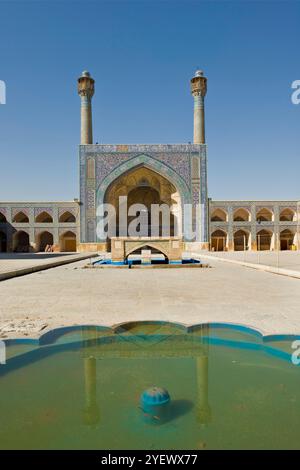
(172, 176)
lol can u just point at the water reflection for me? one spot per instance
(80, 388)
(202, 406)
(149, 341)
(91, 414)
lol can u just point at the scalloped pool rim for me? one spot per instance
(51, 336)
(47, 344)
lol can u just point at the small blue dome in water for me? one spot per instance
(154, 396)
(155, 403)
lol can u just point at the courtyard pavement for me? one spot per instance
(282, 259)
(70, 295)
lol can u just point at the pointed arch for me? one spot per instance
(21, 218)
(287, 237)
(241, 215)
(264, 240)
(44, 217)
(21, 241)
(67, 217)
(147, 245)
(144, 161)
(287, 215)
(148, 162)
(241, 240)
(218, 240)
(219, 215)
(67, 241)
(144, 187)
(264, 215)
(44, 240)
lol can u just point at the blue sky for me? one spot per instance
(142, 55)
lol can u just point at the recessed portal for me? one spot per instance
(264, 240)
(286, 240)
(218, 240)
(44, 241)
(67, 241)
(150, 205)
(21, 242)
(3, 242)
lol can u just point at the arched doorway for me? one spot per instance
(264, 240)
(67, 241)
(21, 242)
(150, 205)
(286, 240)
(241, 240)
(2, 218)
(218, 240)
(44, 239)
(3, 242)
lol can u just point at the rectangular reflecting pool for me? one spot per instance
(151, 263)
(82, 388)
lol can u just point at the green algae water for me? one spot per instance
(80, 388)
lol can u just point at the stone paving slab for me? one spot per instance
(289, 260)
(69, 295)
(260, 267)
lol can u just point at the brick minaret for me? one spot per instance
(86, 91)
(198, 90)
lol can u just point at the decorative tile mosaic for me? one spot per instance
(16, 210)
(171, 161)
(62, 210)
(39, 210)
